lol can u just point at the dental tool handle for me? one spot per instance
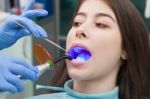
(48, 65)
(42, 68)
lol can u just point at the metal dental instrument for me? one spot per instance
(54, 44)
(51, 42)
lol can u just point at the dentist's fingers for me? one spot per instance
(34, 13)
(42, 31)
(15, 81)
(29, 6)
(23, 72)
(24, 63)
(6, 86)
(31, 27)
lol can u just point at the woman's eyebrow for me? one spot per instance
(81, 13)
(105, 15)
(98, 15)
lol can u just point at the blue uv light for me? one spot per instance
(79, 53)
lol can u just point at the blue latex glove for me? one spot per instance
(10, 68)
(11, 31)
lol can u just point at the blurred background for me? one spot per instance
(57, 25)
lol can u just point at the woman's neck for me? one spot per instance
(95, 86)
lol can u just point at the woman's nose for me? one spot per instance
(80, 33)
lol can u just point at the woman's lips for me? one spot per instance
(79, 54)
(76, 63)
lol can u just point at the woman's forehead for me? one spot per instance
(96, 6)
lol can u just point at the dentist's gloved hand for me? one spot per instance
(11, 31)
(10, 68)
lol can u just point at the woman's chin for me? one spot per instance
(78, 70)
(77, 75)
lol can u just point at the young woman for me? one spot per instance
(116, 42)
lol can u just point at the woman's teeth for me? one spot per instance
(79, 53)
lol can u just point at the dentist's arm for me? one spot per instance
(11, 31)
(10, 68)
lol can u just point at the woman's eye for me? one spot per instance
(76, 24)
(100, 25)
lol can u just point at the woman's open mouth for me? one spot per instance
(79, 53)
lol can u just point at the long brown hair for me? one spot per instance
(134, 75)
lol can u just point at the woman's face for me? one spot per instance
(95, 28)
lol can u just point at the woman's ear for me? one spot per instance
(124, 55)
